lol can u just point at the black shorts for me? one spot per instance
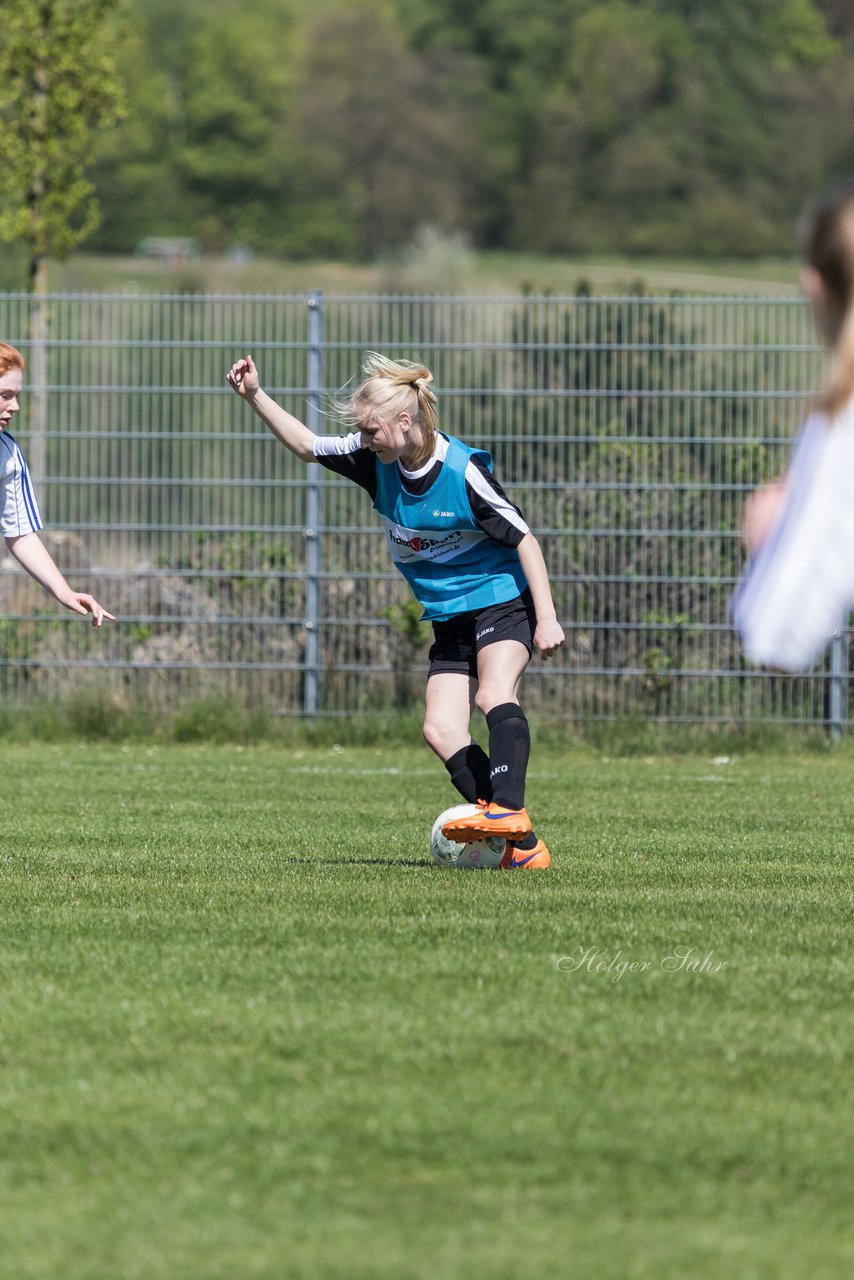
(458, 641)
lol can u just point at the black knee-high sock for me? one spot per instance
(509, 749)
(469, 770)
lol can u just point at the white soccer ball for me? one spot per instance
(486, 852)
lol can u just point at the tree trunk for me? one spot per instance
(38, 372)
(39, 314)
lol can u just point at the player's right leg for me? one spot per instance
(449, 701)
(451, 688)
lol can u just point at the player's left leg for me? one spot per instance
(500, 668)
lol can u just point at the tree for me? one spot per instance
(388, 140)
(233, 156)
(690, 126)
(135, 165)
(57, 84)
(337, 127)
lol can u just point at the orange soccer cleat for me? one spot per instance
(536, 859)
(489, 820)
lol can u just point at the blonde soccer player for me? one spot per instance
(471, 561)
(20, 517)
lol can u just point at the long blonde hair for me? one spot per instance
(392, 387)
(827, 238)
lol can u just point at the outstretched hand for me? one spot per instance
(80, 602)
(243, 377)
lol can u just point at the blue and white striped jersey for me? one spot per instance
(19, 510)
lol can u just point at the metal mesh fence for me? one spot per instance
(627, 429)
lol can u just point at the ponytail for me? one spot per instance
(392, 387)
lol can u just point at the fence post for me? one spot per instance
(313, 513)
(837, 697)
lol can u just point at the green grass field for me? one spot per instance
(485, 274)
(248, 1030)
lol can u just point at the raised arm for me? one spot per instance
(294, 435)
(549, 634)
(33, 555)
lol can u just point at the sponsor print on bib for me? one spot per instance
(408, 545)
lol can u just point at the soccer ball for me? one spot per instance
(487, 852)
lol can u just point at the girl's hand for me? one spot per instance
(243, 377)
(762, 510)
(548, 637)
(80, 602)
